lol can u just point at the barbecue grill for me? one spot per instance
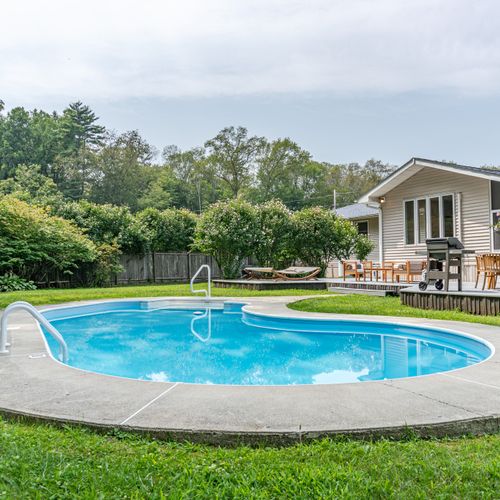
(442, 255)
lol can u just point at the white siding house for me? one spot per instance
(425, 199)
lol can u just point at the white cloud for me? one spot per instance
(114, 49)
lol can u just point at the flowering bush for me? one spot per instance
(170, 230)
(321, 236)
(273, 243)
(228, 231)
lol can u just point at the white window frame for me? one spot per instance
(427, 199)
(414, 222)
(492, 213)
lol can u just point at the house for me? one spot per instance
(366, 218)
(430, 199)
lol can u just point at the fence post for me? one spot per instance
(188, 255)
(154, 267)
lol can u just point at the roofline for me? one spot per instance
(422, 162)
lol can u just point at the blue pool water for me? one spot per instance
(223, 345)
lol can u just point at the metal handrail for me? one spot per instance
(26, 306)
(208, 312)
(208, 293)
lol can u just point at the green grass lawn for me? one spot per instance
(40, 461)
(382, 306)
(56, 295)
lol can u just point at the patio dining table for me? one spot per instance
(383, 269)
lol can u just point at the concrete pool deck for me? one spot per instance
(35, 385)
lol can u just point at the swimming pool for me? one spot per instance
(226, 344)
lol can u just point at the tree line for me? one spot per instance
(71, 156)
(85, 240)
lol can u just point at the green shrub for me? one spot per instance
(363, 247)
(320, 236)
(103, 269)
(107, 224)
(228, 231)
(34, 243)
(11, 283)
(273, 245)
(170, 230)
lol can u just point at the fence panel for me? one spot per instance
(170, 267)
(136, 269)
(148, 268)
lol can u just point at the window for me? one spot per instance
(435, 218)
(409, 222)
(430, 217)
(495, 213)
(448, 216)
(362, 227)
(422, 220)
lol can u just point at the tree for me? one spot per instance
(120, 171)
(34, 243)
(107, 224)
(30, 185)
(163, 191)
(352, 180)
(228, 231)
(16, 141)
(282, 169)
(79, 128)
(320, 236)
(232, 154)
(170, 230)
(197, 185)
(272, 247)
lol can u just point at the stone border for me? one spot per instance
(36, 386)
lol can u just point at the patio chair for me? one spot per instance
(367, 269)
(257, 273)
(297, 273)
(410, 271)
(351, 268)
(480, 269)
(491, 265)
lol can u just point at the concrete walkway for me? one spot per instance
(463, 401)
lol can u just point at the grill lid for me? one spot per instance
(451, 242)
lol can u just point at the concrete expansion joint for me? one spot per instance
(437, 400)
(463, 379)
(161, 395)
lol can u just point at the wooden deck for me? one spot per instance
(315, 284)
(470, 299)
(272, 284)
(381, 286)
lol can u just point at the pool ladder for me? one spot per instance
(26, 306)
(208, 291)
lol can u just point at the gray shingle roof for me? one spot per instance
(357, 211)
(485, 170)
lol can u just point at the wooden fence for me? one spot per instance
(148, 268)
(163, 267)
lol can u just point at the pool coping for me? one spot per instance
(463, 401)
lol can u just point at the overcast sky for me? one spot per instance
(347, 79)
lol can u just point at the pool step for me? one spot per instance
(361, 291)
